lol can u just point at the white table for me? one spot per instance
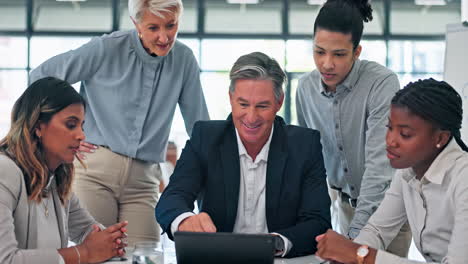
(170, 258)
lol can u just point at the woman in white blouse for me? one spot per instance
(39, 214)
(430, 189)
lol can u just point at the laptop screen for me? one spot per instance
(226, 248)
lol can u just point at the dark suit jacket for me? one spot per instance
(297, 201)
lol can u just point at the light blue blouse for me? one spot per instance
(131, 96)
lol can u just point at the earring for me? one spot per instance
(140, 35)
(438, 146)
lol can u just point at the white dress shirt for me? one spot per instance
(251, 208)
(435, 206)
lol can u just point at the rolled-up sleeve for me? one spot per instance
(386, 222)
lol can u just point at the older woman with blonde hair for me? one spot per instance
(39, 213)
(131, 81)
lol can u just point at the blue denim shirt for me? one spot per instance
(352, 123)
(131, 96)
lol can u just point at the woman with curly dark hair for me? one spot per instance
(430, 187)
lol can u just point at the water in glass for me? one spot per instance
(148, 253)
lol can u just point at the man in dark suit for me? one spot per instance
(251, 173)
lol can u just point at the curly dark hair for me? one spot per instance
(436, 102)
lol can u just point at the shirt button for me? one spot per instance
(345, 169)
(352, 187)
(340, 148)
(336, 126)
(335, 102)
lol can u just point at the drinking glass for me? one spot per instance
(148, 252)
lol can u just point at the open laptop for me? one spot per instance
(224, 248)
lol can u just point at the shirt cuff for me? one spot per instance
(61, 260)
(353, 233)
(175, 224)
(384, 257)
(287, 246)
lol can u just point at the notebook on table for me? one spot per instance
(225, 248)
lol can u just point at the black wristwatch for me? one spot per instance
(279, 244)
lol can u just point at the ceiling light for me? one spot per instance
(430, 2)
(71, 0)
(316, 2)
(243, 1)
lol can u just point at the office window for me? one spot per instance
(220, 54)
(374, 50)
(125, 20)
(216, 90)
(409, 18)
(302, 17)
(91, 15)
(294, 82)
(417, 56)
(13, 52)
(376, 26)
(222, 17)
(188, 21)
(12, 85)
(299, 55)
(43, 48)
(12, 15)
(194, 45)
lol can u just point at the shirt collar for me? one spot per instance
(348, 83)
(263, 155)
(439, 167)
(141, 52)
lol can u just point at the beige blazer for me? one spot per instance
(18, 226)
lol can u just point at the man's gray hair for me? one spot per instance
(258, 66)
(136, 8)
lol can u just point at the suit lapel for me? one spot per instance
(229, 154)
(277, 157)
(60, 217)
(31, 241)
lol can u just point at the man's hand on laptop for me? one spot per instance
(198, 223)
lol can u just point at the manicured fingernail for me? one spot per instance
(92, 150)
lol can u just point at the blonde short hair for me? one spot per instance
(136, 8)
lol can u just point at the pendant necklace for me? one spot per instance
(46, 206)
(45, 193)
